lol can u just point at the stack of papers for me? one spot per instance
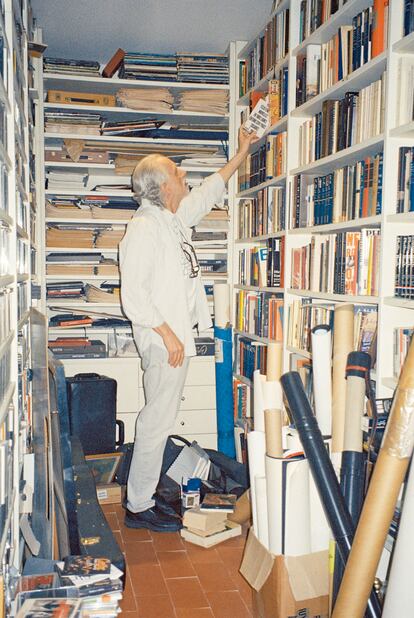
(151, 99)
(192, 462)
(208, 101)
(73, 122)
(110, 239)
(66, 181)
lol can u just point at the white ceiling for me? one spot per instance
(94, 29)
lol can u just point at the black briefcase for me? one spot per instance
(92, 412)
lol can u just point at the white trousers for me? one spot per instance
(163, 387)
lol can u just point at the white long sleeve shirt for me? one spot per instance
(154, 288)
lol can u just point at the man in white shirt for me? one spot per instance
(164, 298)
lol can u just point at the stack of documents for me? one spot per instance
(57, 209)
(208, 101)
(71, 236)
(110, 239)
(65, 181)
(151, 99)
(101, 295)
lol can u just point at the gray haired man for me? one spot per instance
(163, 296)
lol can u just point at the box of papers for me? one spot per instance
(81, 98)
(286, 585)
(231, 530)
(109, 493)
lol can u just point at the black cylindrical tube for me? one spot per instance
(323, 472)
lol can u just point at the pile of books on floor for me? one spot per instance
(77, 347)
(85, 123)
(66, 66)
(80, 586)
(151, 99)
(205, 101)
(203, 68)
(208, 524)
(137, 65)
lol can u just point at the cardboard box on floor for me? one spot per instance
(286, 586)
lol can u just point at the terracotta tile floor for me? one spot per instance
(170, 578)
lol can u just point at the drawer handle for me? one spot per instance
(182, 423)
(182, 398)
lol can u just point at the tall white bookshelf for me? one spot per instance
(197, 417)
(392, 312)
(18, 211)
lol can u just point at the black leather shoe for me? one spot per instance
(164, 507)
(153, 519)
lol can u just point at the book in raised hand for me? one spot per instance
(218, 502)
(259, 120)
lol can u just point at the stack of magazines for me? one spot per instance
(151, 99)
(131, 128)
(203, 68)
(73, 122)
(88, 68)
(81, 586)
(204, 101)
(137, 65)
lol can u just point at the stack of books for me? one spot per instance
(65, 289)
(85, 123)
(139, 127)
(151, 99)
(207, 525)
(208, 101)
(203, 68)
(77, 347)
(70, 235)
(158, 67)
(66, 181)
(77, 264)
(66, 66)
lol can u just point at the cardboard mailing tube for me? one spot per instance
(273, 431)
(343, 343)
(274, 361)
(323, 473)
(357, 372)
(379, 505)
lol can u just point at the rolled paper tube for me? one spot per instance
(322, 376)
(323, 472)
(274, 503)
(261, 506)
(343, 344)
(378, 509)
(273, 432)
(357, 372)
(274, 361)
(258, 400)
(221, 295)
(256, 451)
(399, 598)
(272, 396)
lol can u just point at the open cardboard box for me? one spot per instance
(286, 586)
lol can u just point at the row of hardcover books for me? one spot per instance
(263, 266)
(250, 355)
(402, 340)
(260, 313)
(305, 314)
(404, 267)
(342, 263)
(322, 66)
(348, 193)
(277, 97)
(241, 405)
(269, 161)
(405, 195)
(314, 13)
(264, 214)
(269, 49)
(341, 124)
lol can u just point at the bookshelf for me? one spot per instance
(387, 138)
(18, 215)
(197, 415)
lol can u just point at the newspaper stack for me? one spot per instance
(148, 99)
(110, 239)
(66, 181)
(85, 123)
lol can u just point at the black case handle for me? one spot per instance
(121, 433)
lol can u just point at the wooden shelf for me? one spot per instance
(250, 239)
(278, 180)
(298, 351)
(374, 221)
(346, 298)
(254, 337)
(256, 288)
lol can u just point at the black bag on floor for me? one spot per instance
(92, 412)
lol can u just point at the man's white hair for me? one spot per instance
(147, 178)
